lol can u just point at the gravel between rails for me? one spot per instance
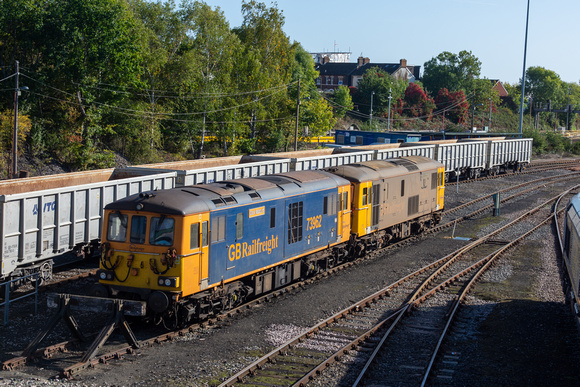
(516, 325)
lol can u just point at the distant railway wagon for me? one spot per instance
(357, 137)
(508, 154)
(189, 172)
(472, 158)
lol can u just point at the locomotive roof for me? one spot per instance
(205, 197)
(380, 169)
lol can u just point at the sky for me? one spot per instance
(386, 31)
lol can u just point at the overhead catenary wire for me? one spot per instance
(144, 92)
(166, 115)
(147, 114)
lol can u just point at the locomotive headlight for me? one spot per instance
(139, 207)
(170, 282)
(105, 275)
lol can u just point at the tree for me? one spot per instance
(266, 64)
(453, 104)
(382, 84)
(451, 71)
(342, 100)
(75, 48)
(6, 138)
(417, 102)
(304, 69)
(214, 49)
(543, 85)
(317, 115)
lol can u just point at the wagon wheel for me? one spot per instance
(44, 273)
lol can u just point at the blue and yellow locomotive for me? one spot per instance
(198, 250)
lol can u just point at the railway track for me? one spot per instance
(366, 326)
(70, 271)
(119, 350)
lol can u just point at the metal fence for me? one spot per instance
(6, 286)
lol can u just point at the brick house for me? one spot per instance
(332, 75)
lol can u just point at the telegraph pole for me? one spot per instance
(15, 137)
(372, 94)
(297, 117)
(389, 119)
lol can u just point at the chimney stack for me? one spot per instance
(403, 63)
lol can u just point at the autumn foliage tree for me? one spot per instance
(454, 104)
(416, 102)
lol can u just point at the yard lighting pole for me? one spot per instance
(524, 72)
(389, 116)
(568, 109)
(490, 104)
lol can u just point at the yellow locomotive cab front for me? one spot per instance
(151, 252)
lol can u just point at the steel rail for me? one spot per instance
(489, 261)
(168, 337)
(481, 263)
(126, 350)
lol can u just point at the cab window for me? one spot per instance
(161, 233)
(204, 236)
(117, 227)
(194, 236)
(138, 229)
(240, 226)
(365, 194)
(194, 239)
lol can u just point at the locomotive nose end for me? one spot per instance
(158, 302)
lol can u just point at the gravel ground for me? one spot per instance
(516, 328)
